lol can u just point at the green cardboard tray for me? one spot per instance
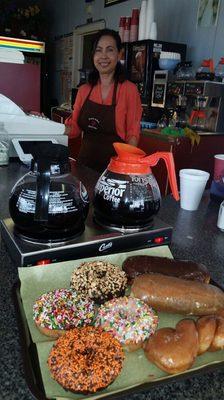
(137, 374)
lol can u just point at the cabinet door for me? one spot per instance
(21, 83)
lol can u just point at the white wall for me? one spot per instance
(176, 20)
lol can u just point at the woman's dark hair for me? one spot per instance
(119, 74)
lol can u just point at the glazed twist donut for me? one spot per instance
(129, 320)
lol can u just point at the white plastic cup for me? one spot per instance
(192, 186)
(220, 222)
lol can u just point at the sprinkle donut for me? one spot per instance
(85, 360)
(99, 280)
(60, 310)
(129, 320)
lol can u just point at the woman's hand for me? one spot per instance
(67, 130)
(133, 141)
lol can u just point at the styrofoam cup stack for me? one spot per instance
(192, 186)
(142, 20)
(153, 31)
(150, 18)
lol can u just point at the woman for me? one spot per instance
(108, 108)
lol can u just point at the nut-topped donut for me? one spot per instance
(129, 320)
(99, 280)
(85, 360)
(60, 310)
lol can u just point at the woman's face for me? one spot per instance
(106, 55)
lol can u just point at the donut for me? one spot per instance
(85, 360)
(99, 280)
(59, 310)
(206, 327)
(218, 340)
(173, 350)
(183, 269)
(129, 320)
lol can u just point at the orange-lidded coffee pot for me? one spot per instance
(127, 195)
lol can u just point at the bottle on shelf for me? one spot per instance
(206, 70)
(4, 145)
(219, 70)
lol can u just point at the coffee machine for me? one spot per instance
(141, 60)
(199, 104)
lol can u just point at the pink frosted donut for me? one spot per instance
(129, 320)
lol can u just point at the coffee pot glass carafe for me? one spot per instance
(48, 203)
(127, 195)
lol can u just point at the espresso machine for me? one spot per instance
(199, 104)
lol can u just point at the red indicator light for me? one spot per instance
(44, 262)
(158, 240)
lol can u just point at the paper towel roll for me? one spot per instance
(142, 20)
(150, 17)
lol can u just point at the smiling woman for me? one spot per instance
(106, 55)
(108, 108)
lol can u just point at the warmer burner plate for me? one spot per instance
(46, 242)
(124, 229)
(95, 240)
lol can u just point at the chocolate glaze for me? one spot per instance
(138, 265)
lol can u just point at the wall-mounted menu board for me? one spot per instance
(158, 93)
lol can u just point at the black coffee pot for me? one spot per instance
(49, 203)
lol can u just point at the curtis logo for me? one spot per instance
(105, 246)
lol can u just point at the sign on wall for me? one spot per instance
(108, 3)
(208, 11)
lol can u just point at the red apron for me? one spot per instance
(97, 122)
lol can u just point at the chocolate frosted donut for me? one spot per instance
(85, 360)
(184, 269)
(99, 281)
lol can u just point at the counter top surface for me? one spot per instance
(165, 137)
(195, 237)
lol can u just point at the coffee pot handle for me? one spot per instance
(42, 190)
(169, 161)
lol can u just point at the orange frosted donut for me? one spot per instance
(85, 360)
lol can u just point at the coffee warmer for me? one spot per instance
(199, 104)
(94, 241)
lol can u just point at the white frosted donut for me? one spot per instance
(129, 320)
